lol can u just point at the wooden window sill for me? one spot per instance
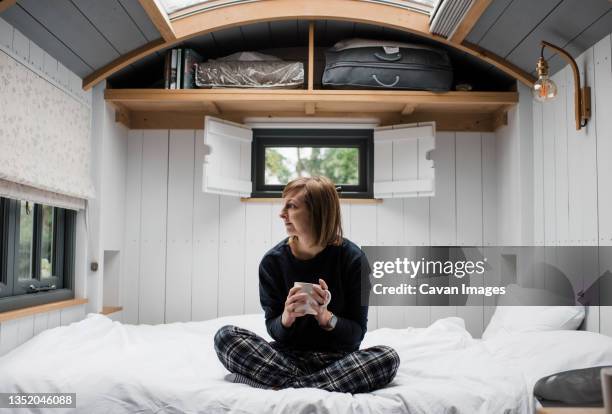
(107, 310)
(342, 200)
(48, 307)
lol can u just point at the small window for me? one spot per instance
(281, 155)
(36, 253)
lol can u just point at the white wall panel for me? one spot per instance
(550, 200)
(389, 219)
(469, 215)
(277, 226)
(416, 233)
(63, 75)
(489, 190)
(602, 102)
(36, 56)
(41, 321)
(345, 212)
(153, 227)
(364, 234)
(71, 314)
(231, 256)
(21, 45)
(130, 279)
(258, 242)
(582, 168)
(9, 335)
(204, 295)
(389, 232)
(416, 221)
(6, 34)
(179, 246)
(469, 188)
(49, 66)
(538, 174)
(589, 152)
(54, 319)
(582, 184)
(442, 207)
(114, 173)
(559, 127)
(26, 329)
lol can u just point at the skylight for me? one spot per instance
(172, 6)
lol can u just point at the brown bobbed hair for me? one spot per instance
(321, 198)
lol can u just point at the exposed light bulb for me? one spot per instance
(544, 89)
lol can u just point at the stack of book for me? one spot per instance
(179, 68)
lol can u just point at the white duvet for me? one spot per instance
(173, 368)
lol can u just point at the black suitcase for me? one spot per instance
(378, 67)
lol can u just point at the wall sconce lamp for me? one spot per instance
(544, 89)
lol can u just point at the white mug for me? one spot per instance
(606, 388)
(308, 289)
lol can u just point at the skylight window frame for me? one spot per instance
(201, 6)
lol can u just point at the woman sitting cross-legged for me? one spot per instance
(316, 331)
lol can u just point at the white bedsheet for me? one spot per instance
(173, 368)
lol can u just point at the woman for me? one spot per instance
(320, 350)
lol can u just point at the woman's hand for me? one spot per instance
(294, 300)
(320, 294)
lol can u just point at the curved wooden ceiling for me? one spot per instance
(240, 14)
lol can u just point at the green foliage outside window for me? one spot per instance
(341, 165)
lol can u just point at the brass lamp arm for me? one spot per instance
(582, 98)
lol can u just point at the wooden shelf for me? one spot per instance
(107, 310)
(48, 307)
(185, 108)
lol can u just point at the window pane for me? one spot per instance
(26, 228)
(46, 255)
(284, 164)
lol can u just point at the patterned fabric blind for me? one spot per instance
(44, 135)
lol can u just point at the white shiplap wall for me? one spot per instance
(190, 255)
(573, 169)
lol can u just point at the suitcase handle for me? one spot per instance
(391, 85)
(387, 58)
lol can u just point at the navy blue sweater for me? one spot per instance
(340, 267)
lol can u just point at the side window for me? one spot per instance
(36, 253)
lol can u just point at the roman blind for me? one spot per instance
(45, 147)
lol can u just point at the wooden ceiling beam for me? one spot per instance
(310, 108)
(244, 13)
(409, 109)
(160, 18)
(5, 4)
(195, 120)
(469, 20)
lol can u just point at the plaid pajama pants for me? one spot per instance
(244, 352)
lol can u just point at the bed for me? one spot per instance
(173, 368)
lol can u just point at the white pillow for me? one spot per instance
(539, 354)
(512, 319)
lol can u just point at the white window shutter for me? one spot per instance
(402, 164)
(227, 164)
